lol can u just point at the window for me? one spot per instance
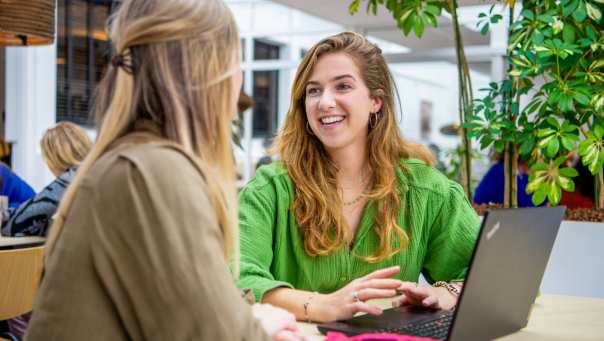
(266, 84)
(265, 51)
(266, 94)
(82, 54)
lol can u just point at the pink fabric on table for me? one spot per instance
(333, 336)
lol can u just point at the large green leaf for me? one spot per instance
(552, 147)
(580, 13)
(568, 34)
(540, 195)
(569, 172)
(593, 12)
(554, 194)
(566, 184)
(418, 28)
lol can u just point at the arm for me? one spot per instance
(15, 188)
(158, 250)
(257, 224)
(452, 237)
(341, 304)
(33, 217)
(450, 245)
(258, 220)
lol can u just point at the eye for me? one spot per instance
(312, 91)
(344, 86)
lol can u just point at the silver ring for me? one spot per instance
(355, 296)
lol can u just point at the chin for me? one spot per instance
(334, 143)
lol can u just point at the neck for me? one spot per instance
(352, 164)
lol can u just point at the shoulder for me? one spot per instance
(4, 170)
(417, 175)
(149, 164)
(269, 175)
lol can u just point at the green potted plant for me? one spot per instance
(556, 61)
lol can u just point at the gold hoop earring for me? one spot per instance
(308, 129)
(373, 119)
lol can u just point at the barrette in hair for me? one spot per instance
(124, 61)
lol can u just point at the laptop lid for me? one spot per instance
(505, 272)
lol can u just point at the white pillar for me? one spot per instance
(247, 115)
(499, 42)
(31, 83)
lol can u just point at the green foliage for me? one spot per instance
(547, 180)
(410, 16)
(487, 19)
(592, 149)
(558, 45)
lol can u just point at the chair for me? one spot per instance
(20, 271)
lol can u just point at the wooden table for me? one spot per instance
(554, 318)
(11, 242)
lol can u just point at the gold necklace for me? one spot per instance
(355, 200)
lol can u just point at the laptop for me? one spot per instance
(506, 268)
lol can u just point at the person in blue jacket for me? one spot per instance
(490, 190)
(15, 188)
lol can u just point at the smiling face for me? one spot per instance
(338, 103)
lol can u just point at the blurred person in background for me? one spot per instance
(15, 189)
(142, 240)
(64, 147)
(491, 189)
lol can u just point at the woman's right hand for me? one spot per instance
(349, 300)
(278, 323)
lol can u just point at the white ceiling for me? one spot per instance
(384, 27)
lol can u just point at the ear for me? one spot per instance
(376, 103)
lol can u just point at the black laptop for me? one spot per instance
(503, 280)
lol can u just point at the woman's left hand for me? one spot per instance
(426, 296)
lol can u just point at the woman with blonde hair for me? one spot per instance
(142, 239)
(353, 211)
(64, 147)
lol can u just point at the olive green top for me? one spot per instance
(141, 256)
(435, 213)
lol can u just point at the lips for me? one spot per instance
(328, 120)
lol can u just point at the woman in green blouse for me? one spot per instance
(353, 211)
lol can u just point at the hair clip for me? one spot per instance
(124, 61)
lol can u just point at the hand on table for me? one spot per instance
(278, 323)
(349, 300)
(426, 296)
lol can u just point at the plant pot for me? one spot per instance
(575, 214)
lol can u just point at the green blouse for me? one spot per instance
(441, 223)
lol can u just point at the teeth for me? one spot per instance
(331, 119)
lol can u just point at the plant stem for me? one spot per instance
(506, 176)
(514, 177)
(600, 190)
(465, 101)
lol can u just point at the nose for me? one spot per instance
(327, 101)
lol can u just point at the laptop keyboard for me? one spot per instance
(436, 329)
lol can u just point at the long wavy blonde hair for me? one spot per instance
(317, 204)
(180, 57)
(65, 146)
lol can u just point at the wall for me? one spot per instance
(30, 108)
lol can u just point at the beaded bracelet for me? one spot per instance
(454, 290)
(306, 304)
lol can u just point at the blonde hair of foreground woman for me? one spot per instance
(314, 175)
(64, 146)
(183, 82)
